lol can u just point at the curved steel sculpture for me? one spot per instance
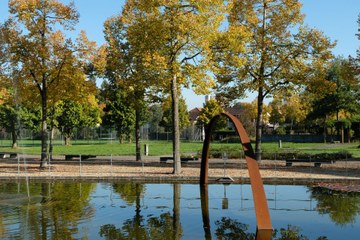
(264, 227)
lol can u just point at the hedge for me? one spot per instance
(287, 155)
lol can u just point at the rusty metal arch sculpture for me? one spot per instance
(264, 227)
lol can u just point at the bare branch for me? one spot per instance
(191, 57)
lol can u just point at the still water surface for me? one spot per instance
(118, 210)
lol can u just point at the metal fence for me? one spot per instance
(125, 166)
(92, 136)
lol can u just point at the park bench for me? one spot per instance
(317, 162)
(183, 159)
(8, 155)
(83, 157)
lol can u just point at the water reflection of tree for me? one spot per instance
(291, 233)
(228, 228)
(154, 228)
(130, 192)
(53, 210)
(64, 205)
(341, 207)
(166, 226)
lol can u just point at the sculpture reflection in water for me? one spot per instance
(264, 226)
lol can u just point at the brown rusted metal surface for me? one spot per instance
(264, 234)
(264, 226)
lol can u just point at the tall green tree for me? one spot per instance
(117, 112)
(167, 120)
(173, 37)
(44, 59)
(343, 100)
(14, 118)
(71, 115)
(126, 68)
(154, 118)
(10, 120)
(344, 96)
(274, 50)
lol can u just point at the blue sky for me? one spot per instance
(336, 18)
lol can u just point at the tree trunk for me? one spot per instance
(325, 130)
(14, 137)
(67, 140)
(259, 125)
(44, 133)
(51, 143)
(121, 138)
(137, 135)
(175, 129)
(260, 99)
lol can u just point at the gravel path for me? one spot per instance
(125, 167)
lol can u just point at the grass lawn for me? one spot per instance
(157, 148)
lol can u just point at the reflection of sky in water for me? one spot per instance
(289, 205)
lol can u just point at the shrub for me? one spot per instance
(297, 155)
(280, 131)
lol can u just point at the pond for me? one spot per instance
(128, 210)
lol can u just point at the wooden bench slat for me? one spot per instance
(317, 163)
(183, 159)
(84, 157)
(8, 155)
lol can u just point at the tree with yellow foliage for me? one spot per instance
(45, 61)
(274, 51)
(288, 108)
(173, 37)
(210, 109)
